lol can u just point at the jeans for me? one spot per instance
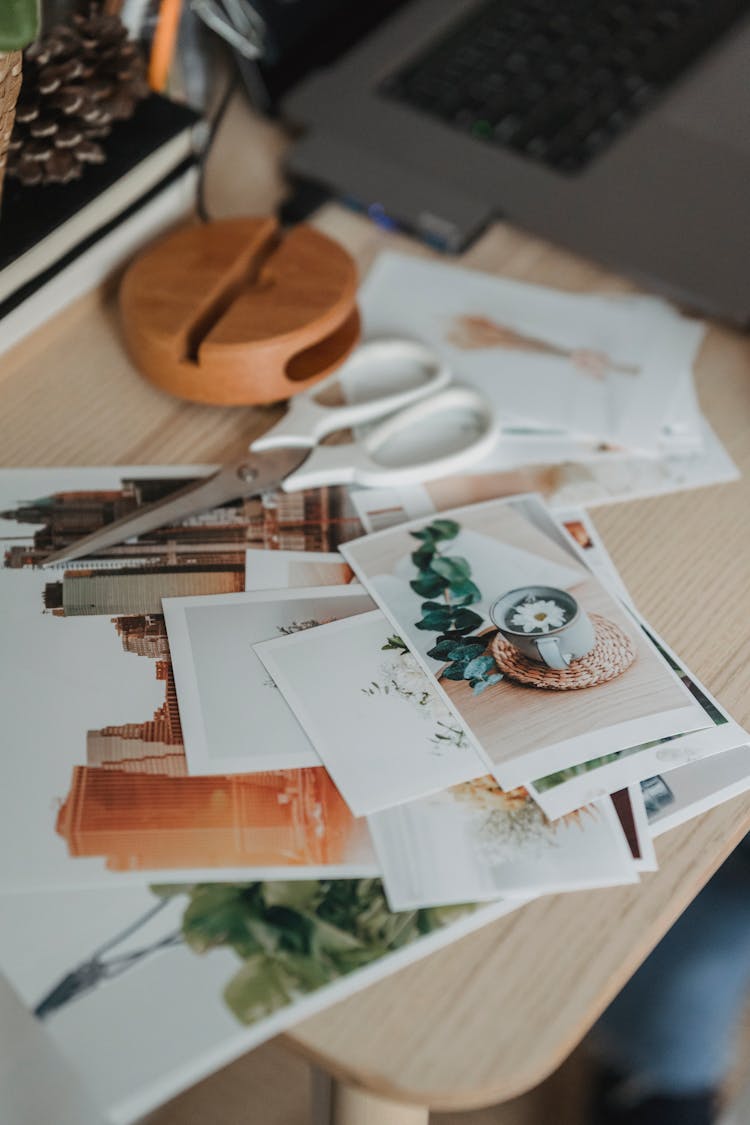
(671, 1028)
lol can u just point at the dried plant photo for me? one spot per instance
(479, 842)
(586, 366)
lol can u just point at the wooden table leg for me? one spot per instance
(335, 1103)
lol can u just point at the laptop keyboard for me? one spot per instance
(558, 80)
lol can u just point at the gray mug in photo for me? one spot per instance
(545, 624)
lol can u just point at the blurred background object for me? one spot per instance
(79, 78)
(19, 23)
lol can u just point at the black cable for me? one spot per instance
(304, 199)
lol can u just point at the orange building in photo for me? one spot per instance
(140, 821)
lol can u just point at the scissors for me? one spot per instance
(401, 382)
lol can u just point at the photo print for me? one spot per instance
(478, 842)
(97, 791)
(382, 731)
(234, 719)
(603, 367)
(285, 570)
(540, 663)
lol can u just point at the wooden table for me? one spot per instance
(493, 1014)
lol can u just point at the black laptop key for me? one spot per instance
(557, 81)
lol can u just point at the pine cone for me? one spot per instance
(78, 80)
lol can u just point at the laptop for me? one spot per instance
(617, 128)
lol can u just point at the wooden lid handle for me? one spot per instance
(235, 312)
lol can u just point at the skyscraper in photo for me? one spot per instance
(140, 822)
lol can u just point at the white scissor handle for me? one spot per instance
(307, 421)
(360, 463)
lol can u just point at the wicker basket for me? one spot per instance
(10, 84)
(612, 654)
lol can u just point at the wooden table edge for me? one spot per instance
(460, 1101)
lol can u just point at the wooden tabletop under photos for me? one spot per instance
(494, 1013)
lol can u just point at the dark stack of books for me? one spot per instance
(59, 240)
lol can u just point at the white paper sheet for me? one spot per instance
(603, 366)
(233, 718)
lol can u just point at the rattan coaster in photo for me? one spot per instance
(612, 654)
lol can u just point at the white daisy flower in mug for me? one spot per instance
(538, 616)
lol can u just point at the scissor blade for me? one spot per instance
(257, 473)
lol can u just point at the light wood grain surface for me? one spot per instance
(493, 1014)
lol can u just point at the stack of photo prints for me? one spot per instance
(268, 756)
(259, 760)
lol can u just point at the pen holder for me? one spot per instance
(238, 313)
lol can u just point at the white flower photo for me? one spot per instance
(440, 580)
(476, 842)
